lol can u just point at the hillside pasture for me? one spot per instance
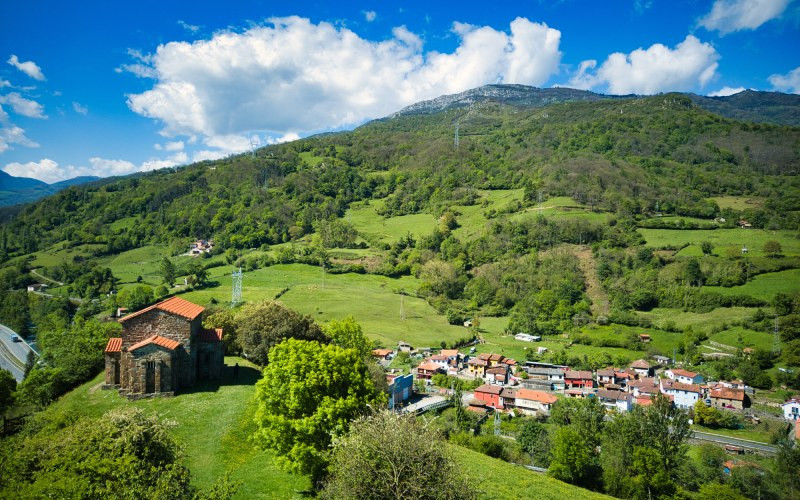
(738, 202)
(373, 300)
(722, 240)
(764, 286)
(750, 338)
(660, 317)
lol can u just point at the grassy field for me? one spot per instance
(373, 301)
(373, 226)
(764, 286)
(723, 240)
(738, 202)
(212, 423)
(497, 479)
(750, 338)
(57, 254)
(701, 321)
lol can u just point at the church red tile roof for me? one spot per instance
(114, 344)
(214, 335)
(157, 340)
(173, 305)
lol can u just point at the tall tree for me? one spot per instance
(260, 326)
(572, 461)
(393, 456)
(8, 385)
(168, 271)
(309, 393)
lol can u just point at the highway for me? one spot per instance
(742, 443)
(13, 355)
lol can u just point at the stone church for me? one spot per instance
(163, 349)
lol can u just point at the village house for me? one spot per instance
(400, 388)
(684, 376)
(791, 410)
(661, 360)
(427, 370)
(729, 398)
(490, 396)
(451, 354)
(611, 377)
(500, 374)
(37, 287)
(508, 396)
(735, 384)
(684, 395)
(404, 347)
(580, 393)
(642, 368)
(383, 354)
(643, 387)
(615, 400)
(644, 338)
(477, 367)
(439, 359)
(550, 378)
(579, 379)
(163, 348)
(533, 402)
(200, 247)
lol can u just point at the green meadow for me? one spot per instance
(764, 286)
(738, 202)
(722, 240)
(661, 316)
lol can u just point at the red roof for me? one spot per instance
(539, 396)
(157, 340)
(381, 352)
(725, 393)
(114, 345)
(173, 305)
(677, 386)
(489, 389)
(214, 335)
(683, 373)
(581, 375)
(428, 367)
(449, 352)
(640, 364)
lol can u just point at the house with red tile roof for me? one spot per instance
(490, 396)
(684, 376)
(382, 353)
(533, 402)
(163, 348)
(642, 368)
(685, 395)
(500, 374)
(428, 369)
(578, 379)
(723, 397)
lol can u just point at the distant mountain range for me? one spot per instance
(18, 190)
(749, 105)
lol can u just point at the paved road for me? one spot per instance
(13, 355)
(744, 443)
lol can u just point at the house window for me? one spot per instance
(151, 365)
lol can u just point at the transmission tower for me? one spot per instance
(253, 145)
(236, 296)
(402, 308)
(496, 423)
(455, 139)
(776, 339)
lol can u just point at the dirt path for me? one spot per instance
(594, 289)
(33, 272)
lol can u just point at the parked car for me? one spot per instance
(15, 338)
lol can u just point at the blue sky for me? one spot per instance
(109, 88)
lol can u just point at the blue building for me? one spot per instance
(400, 388)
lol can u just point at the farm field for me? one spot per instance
(738, 202)
(764, 286)
(723, 240)
(57, 254)
(373, 301)
(212, 423)
(750, 338)
(373, 226)
(661, 316)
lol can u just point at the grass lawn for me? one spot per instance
(750, 338)
(764, 286)
(760, 432)
(497, 479)
(373, 226)
(703, 321)
(496, 341)
(722, 239)
(373, 301)
(144, 262)
(212, 423)
(738, 202)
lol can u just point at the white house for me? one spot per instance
(618, 400)
(684, 376)
(439, 359)
(684, 395)
(642, 368)
(791, 410)
(530, 401)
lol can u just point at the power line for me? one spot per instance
(236, 295)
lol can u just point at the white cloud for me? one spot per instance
(727, 16)
(170, 146)
(292, 76)
(23, 106)
(726, 91)
(191, 28)
(30, 68)
(142, 68)
(79, 108)
(790, 82)
(370, 15)
(5, 83)
(689, 65)
(11, 134)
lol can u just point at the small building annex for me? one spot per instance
(163, 348)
